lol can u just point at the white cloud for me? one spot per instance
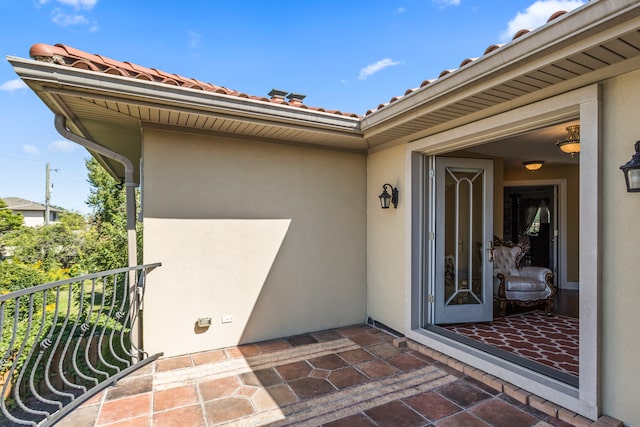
(401, 10)
(371, 69)
(62, 146)
(68, 13)
(537, 15)
(64, 19)
(12, 85)
(30, 149)
(447, 2)
(76, 4)
(194, 39)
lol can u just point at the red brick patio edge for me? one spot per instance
(510, 390)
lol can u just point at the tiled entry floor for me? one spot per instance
(353, 376)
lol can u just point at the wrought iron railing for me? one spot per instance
(64, 342)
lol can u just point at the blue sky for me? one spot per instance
(344, 55)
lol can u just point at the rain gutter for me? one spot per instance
(130, 185)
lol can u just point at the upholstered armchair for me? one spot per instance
(518, 285)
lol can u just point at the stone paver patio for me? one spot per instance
(352, 376)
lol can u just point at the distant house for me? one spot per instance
(33, 213)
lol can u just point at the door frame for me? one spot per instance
(583, 104)
(562, 223)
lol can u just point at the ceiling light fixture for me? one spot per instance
(533, 165)
(571, 144)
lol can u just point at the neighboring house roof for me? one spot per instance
(19, 204)
(110, 102)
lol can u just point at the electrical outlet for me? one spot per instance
(227, 318)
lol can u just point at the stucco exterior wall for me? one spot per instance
(619, 252)
(386, 272)
(32, 218)
(273, 235)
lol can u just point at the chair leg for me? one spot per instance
(503, 308)
(548, 307)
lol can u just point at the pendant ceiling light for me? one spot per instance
(571, 144)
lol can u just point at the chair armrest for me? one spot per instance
(539, 273)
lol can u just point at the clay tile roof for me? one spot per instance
(520, 33)
(467, 61)
(65, 55)
(556, 15)
(492, 48)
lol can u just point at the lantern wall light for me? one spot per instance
(386, 199)
(631, 171)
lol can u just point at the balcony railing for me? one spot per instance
(63, 342)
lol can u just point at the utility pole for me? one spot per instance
(47, 195)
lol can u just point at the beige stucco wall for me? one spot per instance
(572, 176)
(389, 262)
(273, 235)
(619, 252)
(386, 272)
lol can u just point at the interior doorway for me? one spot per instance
(531, 217)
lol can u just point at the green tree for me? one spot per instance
(107, 239)
(52, 247)
(73, 221)
(8, 219)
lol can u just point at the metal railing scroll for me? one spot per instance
(64, 342)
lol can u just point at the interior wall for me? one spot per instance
(572, 175)
(620, 231)
(272, 235)
(386, 257)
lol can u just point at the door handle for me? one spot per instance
(490, 249)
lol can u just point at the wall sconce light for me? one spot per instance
(571, 144)
(386, 198)
(631, 171)
(533, 165)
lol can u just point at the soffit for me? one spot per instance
(111, 111)
(501, 79)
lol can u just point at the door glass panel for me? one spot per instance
(462, 281)
(463, 223)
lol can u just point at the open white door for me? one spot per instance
(463, 203)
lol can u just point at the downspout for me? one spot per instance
(61, 127)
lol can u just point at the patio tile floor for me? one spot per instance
(352, 376)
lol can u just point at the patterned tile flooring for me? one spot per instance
(352, 376)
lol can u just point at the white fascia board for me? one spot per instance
(160, 93)
(585, 22)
